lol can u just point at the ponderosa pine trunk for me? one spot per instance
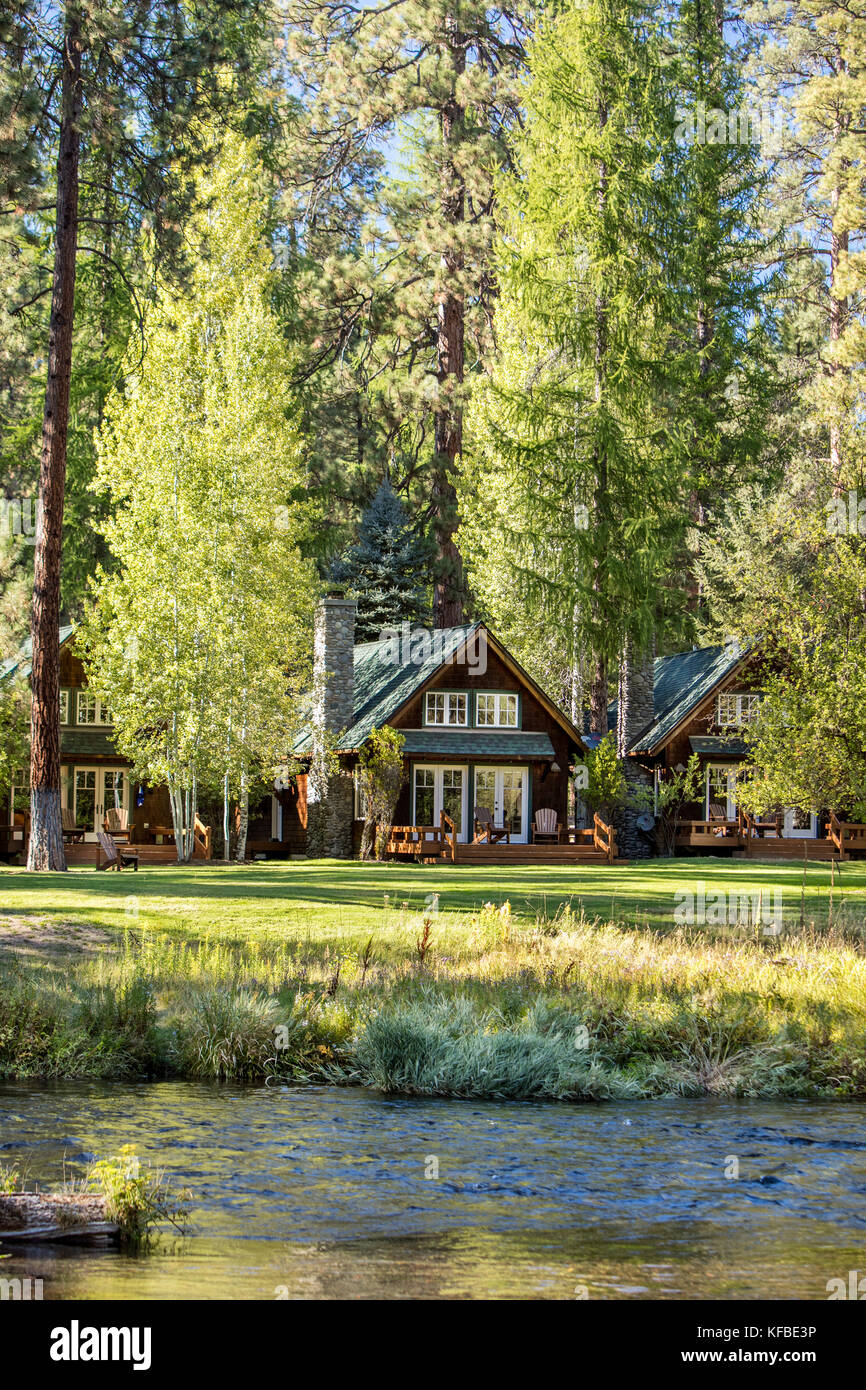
(450, 329)
(46, 831)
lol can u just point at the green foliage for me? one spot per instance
(606, 785)
(14, 730)
(139, 1199)
(674, 791)
(201, 637)
(149, 71)
(383, 777)
(788, 574)
(386, 570)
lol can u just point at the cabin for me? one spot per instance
(703, 703)
(488, 758)
(95, 779)
(485, 750)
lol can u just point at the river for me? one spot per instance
(325, 1193)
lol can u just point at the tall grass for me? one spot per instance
(560, 1007)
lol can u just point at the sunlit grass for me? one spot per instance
(503, 1003)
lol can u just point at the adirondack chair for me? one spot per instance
(718, 818)
(486, 830)
(116, 857)
(72, 834)
(116, 824)
(546, 825)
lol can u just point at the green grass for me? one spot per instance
(555, 983)
(345, 902)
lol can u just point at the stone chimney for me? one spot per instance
(330, 792)
(635, 712)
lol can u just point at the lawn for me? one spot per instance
(559, 983)
(338, 901)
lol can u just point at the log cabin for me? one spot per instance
(703, 703)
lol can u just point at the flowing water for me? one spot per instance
(322, 1193)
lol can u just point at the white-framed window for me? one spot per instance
(91, 710)
(446, 707)
(737, 707)
(64, 706)
(496, 711)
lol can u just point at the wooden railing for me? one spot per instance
(202, 839)
(604, 837)
(845, 835)
(449, 840)
(413, 839)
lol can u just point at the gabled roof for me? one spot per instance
(383, 686)
(681, 683)
(19, 665)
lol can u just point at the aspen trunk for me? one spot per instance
(46, 833)
(244, 818)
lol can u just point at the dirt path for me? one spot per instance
(30, 936)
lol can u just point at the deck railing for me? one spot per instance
(202, 839)
(845, 835)
(604, 837)
(449, 835)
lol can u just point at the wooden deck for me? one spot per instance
(745, 838)
(438, 844)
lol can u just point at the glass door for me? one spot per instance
(721, 791)
(799, 824)
(438, 789)
(85, 801)
(96, 790)
(504, 792)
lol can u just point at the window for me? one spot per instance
(64, 706)
(92, 710)
(496, 711)
(446, 707)
(737, 707)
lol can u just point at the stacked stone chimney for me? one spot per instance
(635, 712)
(330, 792)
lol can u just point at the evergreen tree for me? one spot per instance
(810, 74)
(109, 91)
(438, 81)
(574, 485)
(387, 569)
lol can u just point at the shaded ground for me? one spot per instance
(43, 938)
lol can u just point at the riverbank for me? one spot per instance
(490, 1004)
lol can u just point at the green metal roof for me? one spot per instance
(86, 743)
(20, 664)
(474, 744)
(382, 686)
(681, 683)
(717, 743)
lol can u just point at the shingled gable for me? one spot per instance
(383, 688)
(683, 683)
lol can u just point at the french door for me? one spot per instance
(722, 789)
(504, 791)
(94, 791)
(799, 825)
(436, 789)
